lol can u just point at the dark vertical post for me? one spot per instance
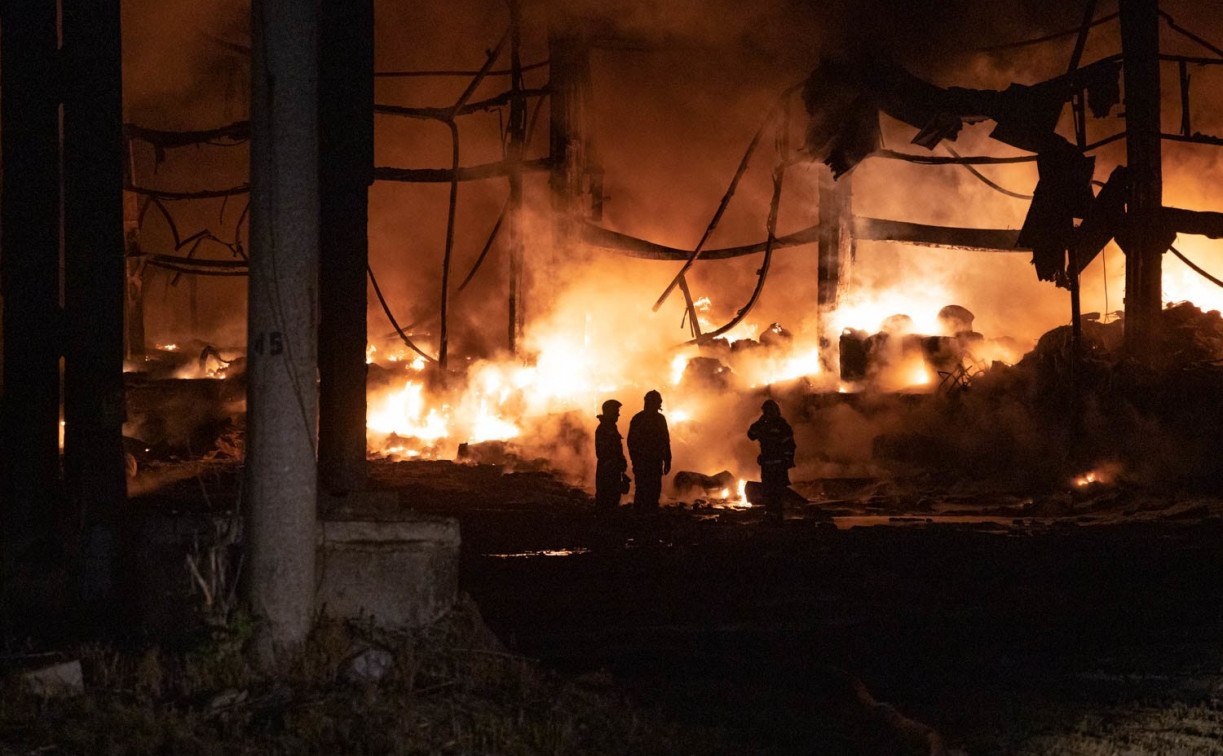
(282, 389)
(95, 280)
(836, 243)
(193, 307)
(1079, 109)
(1183, 71)
(1073, 268)
(133, 311)
(1143, 258)
(516, 137)
(569, 77)
(29, 271)
(346, 163)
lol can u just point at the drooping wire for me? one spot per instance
(492, 236)
(386, 309)
(726, 197)
(492, 55)
(779, 172)
(1048, 37)
(985, 179)
(1194, 267)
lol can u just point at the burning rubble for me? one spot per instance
(907, 329)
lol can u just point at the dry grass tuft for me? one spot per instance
(450, 689)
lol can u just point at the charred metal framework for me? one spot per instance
(83, 325)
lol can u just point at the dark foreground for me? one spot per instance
(879, 619)
(1092, 624)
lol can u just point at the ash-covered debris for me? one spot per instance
(686, 482)
(897, 356)
(706, 373)
(1044, 421)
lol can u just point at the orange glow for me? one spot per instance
(1104, 474)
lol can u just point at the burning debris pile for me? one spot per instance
(1048, 418)
(875, 392)
(185, 401)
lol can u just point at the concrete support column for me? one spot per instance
(346, 165)
(282, 369)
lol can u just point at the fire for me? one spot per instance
(1103, 474)
(679, 416)
(919, 374)
(798, 364)
(740, 498)
(488, 427)
(678, 363)
(405, 413)
(868, 309)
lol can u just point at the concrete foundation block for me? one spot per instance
(403, 574)
(64, 679)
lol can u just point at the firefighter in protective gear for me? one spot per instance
(649, 446)
(776, 457)
(609, 459)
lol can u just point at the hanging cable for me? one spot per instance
(1047, 37)
(985, 179)
(779, 172)
(730, 192)
(386, 309)
(492, 236)
(492, 56)
(1195, 268)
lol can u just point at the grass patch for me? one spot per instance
(449, 689)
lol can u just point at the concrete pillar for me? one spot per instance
(1146, 242)
(346, 164)
(29, 273)
(282, 371)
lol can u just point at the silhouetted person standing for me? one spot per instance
(776, 457)
(649, 446)
(609, 455)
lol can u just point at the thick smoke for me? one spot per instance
(678, 88)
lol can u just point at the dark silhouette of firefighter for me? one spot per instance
(610, 465)
(649, 446)
(776, 457)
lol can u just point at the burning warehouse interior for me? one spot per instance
(311, 311)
